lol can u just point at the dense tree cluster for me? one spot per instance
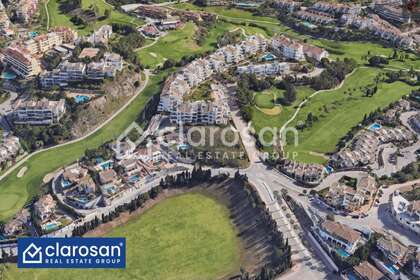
(377, 60)
(335, 72)
(281, 259)
(126, 46)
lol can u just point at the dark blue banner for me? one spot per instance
(71, 252)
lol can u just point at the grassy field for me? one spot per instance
(15, 192)
(261, 120)
(339, 110)
(59, 19)
(185, 237)
(179, 43)
(268, 98)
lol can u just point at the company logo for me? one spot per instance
(71, 252)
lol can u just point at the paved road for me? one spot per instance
(20, 163)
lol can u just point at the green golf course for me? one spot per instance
(187, 237)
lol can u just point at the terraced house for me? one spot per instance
(41, 112)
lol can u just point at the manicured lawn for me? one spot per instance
(185, 237)
(338, 111)
(174, 45)
(268, 98)
(15, 192)
(179, 43)
(59, 19)
(261, 120)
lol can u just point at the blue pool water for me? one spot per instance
(106, 165)
(351, 276)
(391, 268)
(342, 253)
(8, 75)
(329, 169)
(268, 57)
(99, 159)
(309, 25)
(65, 183)
(51, 227)
(81, 99)
(33, 34)
(183, 146)
(375, 126)
(134, 178)
(2, 237)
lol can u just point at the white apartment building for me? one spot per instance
(295, 50)
(406, 213)
(66, 72)
(22, 63)
(266, 69)
(200, 112)
(42, 112)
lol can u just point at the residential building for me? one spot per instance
(287, 5)
(21, 62)
(150, 30)
(315, 17)
(18, 225)
(169, 23)
(265, 69)
(114, 61)
(392, 249)
(380, 28)
(43, 43)
(44, 208)
(336, 9)
(406, 213)
(89, 53)
(364, 271)
(292, 49)
(310, 174)
(151, 11)
(100, 36)
(351, 199)
(65, 73)
(414, 123)
(339, 235)
(150, 154)
(9, 149)
(364, 147)
(392, 12)
(181, 83)
(24, 10)
(72, 176)
(41, 112)
(67, 34)
(416, 265)
(107, 176)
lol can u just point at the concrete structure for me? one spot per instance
(351, 199)
(406, 213)
(265, 69)
(21, 62)
(41, 112)
(295, 50)
(339, 235)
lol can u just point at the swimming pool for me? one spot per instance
(50, 226)
(375, 126)
(65, 183)
(134, 178)
(391, 268)
(8, 75)
(342, 253)
(33, 34)
(268, 57)
(329, 169)
(106, 165)
(81, 99)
